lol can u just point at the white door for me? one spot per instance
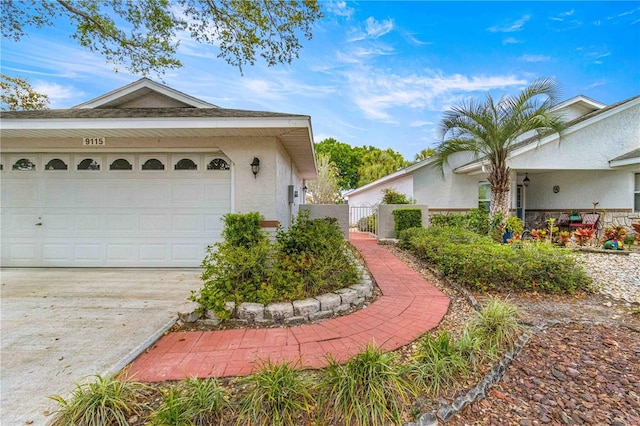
(152, 210)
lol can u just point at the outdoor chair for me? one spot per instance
(563, 221)
(589, 220)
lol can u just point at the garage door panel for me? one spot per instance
(56, 252)
(156, 195)
(20, 222)
(187, 194)
(120, 194)
(186, 222)
(213, 224)
(60, 223)
(23, 252)
(87, 223)
(55, 193)
(187, 252)
(154, 222)
(111, 218)
(153, 252)
(88, 193)
(84, 252)
(23, 193)
(122, 252)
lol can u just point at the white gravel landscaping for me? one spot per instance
(616, 275)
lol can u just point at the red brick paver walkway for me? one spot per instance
(408, 308)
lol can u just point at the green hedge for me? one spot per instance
(477, 262)
(406, 219)
(310, 258)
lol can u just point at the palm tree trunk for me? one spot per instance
(500, 181)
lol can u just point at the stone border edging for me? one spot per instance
(293, 313)
(479, 392)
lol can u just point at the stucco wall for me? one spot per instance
(579, 189)
(372, 196)
(386, 221)
(263, 194)
(338, 211)
(451, 191)
(590, 147)
(286, 175)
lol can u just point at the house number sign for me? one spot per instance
(94, 141)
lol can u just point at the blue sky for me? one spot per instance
(381, 72)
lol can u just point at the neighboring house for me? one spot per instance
(596, 159)
(142, 176)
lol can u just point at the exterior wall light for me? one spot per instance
(526, 181)
(255, 166)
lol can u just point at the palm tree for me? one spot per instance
(489, 130)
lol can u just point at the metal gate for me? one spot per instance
(363, 219)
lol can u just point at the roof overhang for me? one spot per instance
(628, 159)
(140, 88)
(293, 132)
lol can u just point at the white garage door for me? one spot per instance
(155, 210)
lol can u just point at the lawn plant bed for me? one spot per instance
(479, 263)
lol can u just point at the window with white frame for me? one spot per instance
(636, 194)
(484, 195)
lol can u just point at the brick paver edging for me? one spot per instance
(409, 306)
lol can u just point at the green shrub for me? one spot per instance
(496, 326)
(309, 258)
(243, 230)
(368, 223)
(103, 401)
(391, 196)
(438, 364)
(277, 395)
(369, 389)
(476, 220)
(478, 262)
(405, 219)
(442, 220)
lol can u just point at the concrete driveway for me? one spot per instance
(61, 325)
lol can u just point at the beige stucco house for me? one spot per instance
(142, 176)
(595, 160)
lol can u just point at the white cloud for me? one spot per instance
(376, 93)
(517, 25)
(510, 40)
(534, 58)
(59, 95)
(376, 29)
(421, 123)
(562, 16)
(339, 8)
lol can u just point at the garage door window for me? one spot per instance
(218, 164)
(153, 164)
(186, 164)
(89, 164)
(24, 165)
(121, 164)
(56, 164)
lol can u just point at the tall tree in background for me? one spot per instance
(17, 94)
(378, 163)
(424, 154)
(489, 130)
(324, 190)
(142, 35)
(346, 158)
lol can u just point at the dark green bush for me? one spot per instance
(368, 223)
(405, 219)
(479, 263)
(309, 258)
(391, 196)
(476, 220)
